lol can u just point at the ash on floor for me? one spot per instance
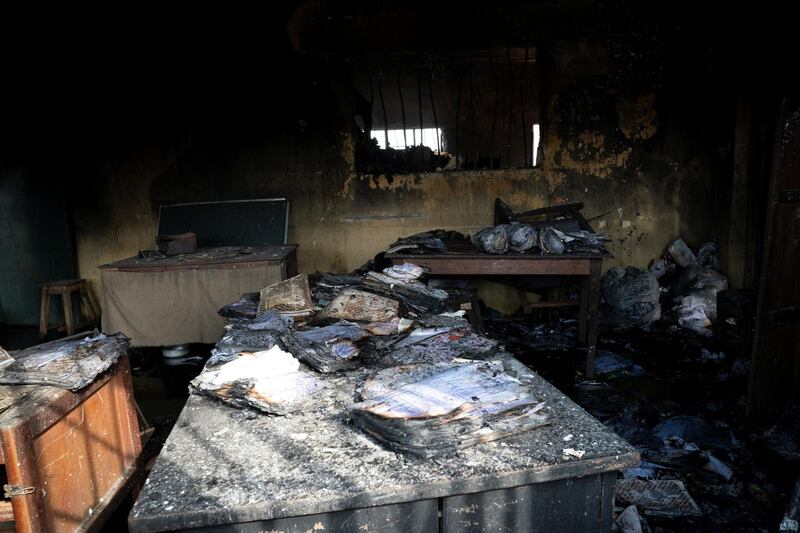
(678, 397)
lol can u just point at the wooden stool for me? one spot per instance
(65, 288)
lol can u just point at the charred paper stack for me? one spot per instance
(69, 364)
(429, 242)
(401, 282)
(327, 349)
(429, 409)
(325, 286)
(244, 307)
(290, 297)
(270, 380)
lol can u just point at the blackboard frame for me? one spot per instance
(211, 231)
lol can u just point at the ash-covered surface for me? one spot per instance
(224, 465)
(655, 388)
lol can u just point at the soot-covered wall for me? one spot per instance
(638, 127)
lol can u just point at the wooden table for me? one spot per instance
(174, 300)
(585, 267)
(70, 457)
(221, 470)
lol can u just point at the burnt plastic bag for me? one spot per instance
(492, 240)
(523, 237)
(694, 312)
(551, 241)
(632, 296)
(708, 255)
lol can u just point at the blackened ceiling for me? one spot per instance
(77, 78)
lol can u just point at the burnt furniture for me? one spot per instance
(65, 288)
(167, 300)
(586, 268)
(69, 457)
(224, 470)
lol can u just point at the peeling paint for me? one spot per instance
(638, 117)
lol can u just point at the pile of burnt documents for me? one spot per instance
(435, 385)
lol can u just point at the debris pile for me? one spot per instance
(437, 385)
(691, 280)
(632, 295)
(679, 398)
(680, 284)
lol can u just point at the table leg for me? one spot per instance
(594, 314)
(44, 313)
(523, 300)
(583, 317)
(474, 314)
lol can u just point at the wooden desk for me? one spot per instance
(222, 471)
(71, 456)
(174, 300)
(586, 267)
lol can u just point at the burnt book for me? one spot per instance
(327, 349)
(291, 297)
(429, 242)
(432, 409)
(70, 364)
(252, 334)
(245, 307)
(271, 381)
(326, 286)
(439, 345)
(415, 295)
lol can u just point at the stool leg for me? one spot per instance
(66, 300)
(44, 312)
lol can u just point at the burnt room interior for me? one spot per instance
(393, 266)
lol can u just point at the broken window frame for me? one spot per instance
(405, 92)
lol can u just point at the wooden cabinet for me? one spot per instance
(69, 457)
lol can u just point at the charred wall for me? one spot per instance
(638, 126)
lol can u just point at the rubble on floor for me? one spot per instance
(679, 398)
(791, 520)
(632, 296)
(667, 498)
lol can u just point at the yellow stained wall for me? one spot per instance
(648, 180)
(342, 221)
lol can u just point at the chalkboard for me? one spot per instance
(232, 223)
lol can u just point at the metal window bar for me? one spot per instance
(402, 103)
(522, 109)
(433, 110)
(383, 106)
